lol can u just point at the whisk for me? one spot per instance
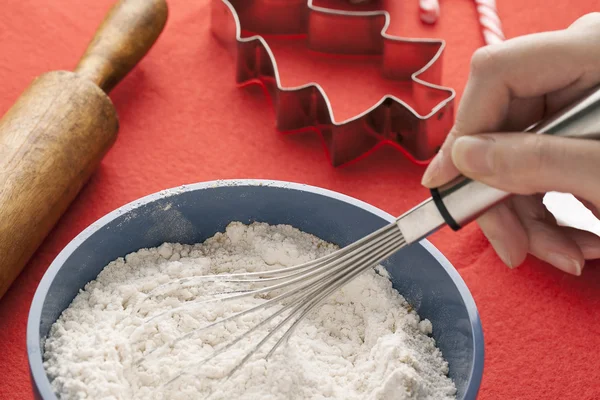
(299, 290)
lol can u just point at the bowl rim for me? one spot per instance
(40, 381)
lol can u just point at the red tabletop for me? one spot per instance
(183, 120)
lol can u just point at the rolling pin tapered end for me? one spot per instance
(127, 33)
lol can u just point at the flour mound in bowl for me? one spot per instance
(364, 342)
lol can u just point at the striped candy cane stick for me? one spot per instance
(489, 20)
(491, 27)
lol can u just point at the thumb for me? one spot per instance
(526, 163)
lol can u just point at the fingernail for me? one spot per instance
(502, 253)
(473, 154)
(564, 263)
(432, 170)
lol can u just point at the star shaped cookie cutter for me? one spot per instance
(390, 121)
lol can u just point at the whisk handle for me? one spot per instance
(463, 200)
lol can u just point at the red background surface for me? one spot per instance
(183, 120)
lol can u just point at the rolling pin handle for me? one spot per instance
(127, 33)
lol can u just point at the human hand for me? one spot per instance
(511, 86)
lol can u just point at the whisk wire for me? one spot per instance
(343, 261)
(316, 270)
(322, 288)
(351, 275)
(225, 277)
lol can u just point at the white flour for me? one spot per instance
(363, 343)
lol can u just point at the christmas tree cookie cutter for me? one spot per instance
(390, 121)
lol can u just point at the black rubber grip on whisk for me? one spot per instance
(437, 199)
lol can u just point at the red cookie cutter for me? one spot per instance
(390, 121)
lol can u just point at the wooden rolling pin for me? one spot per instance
(55, 135)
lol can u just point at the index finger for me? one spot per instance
(524, 67)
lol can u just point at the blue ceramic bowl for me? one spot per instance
(191, 214)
